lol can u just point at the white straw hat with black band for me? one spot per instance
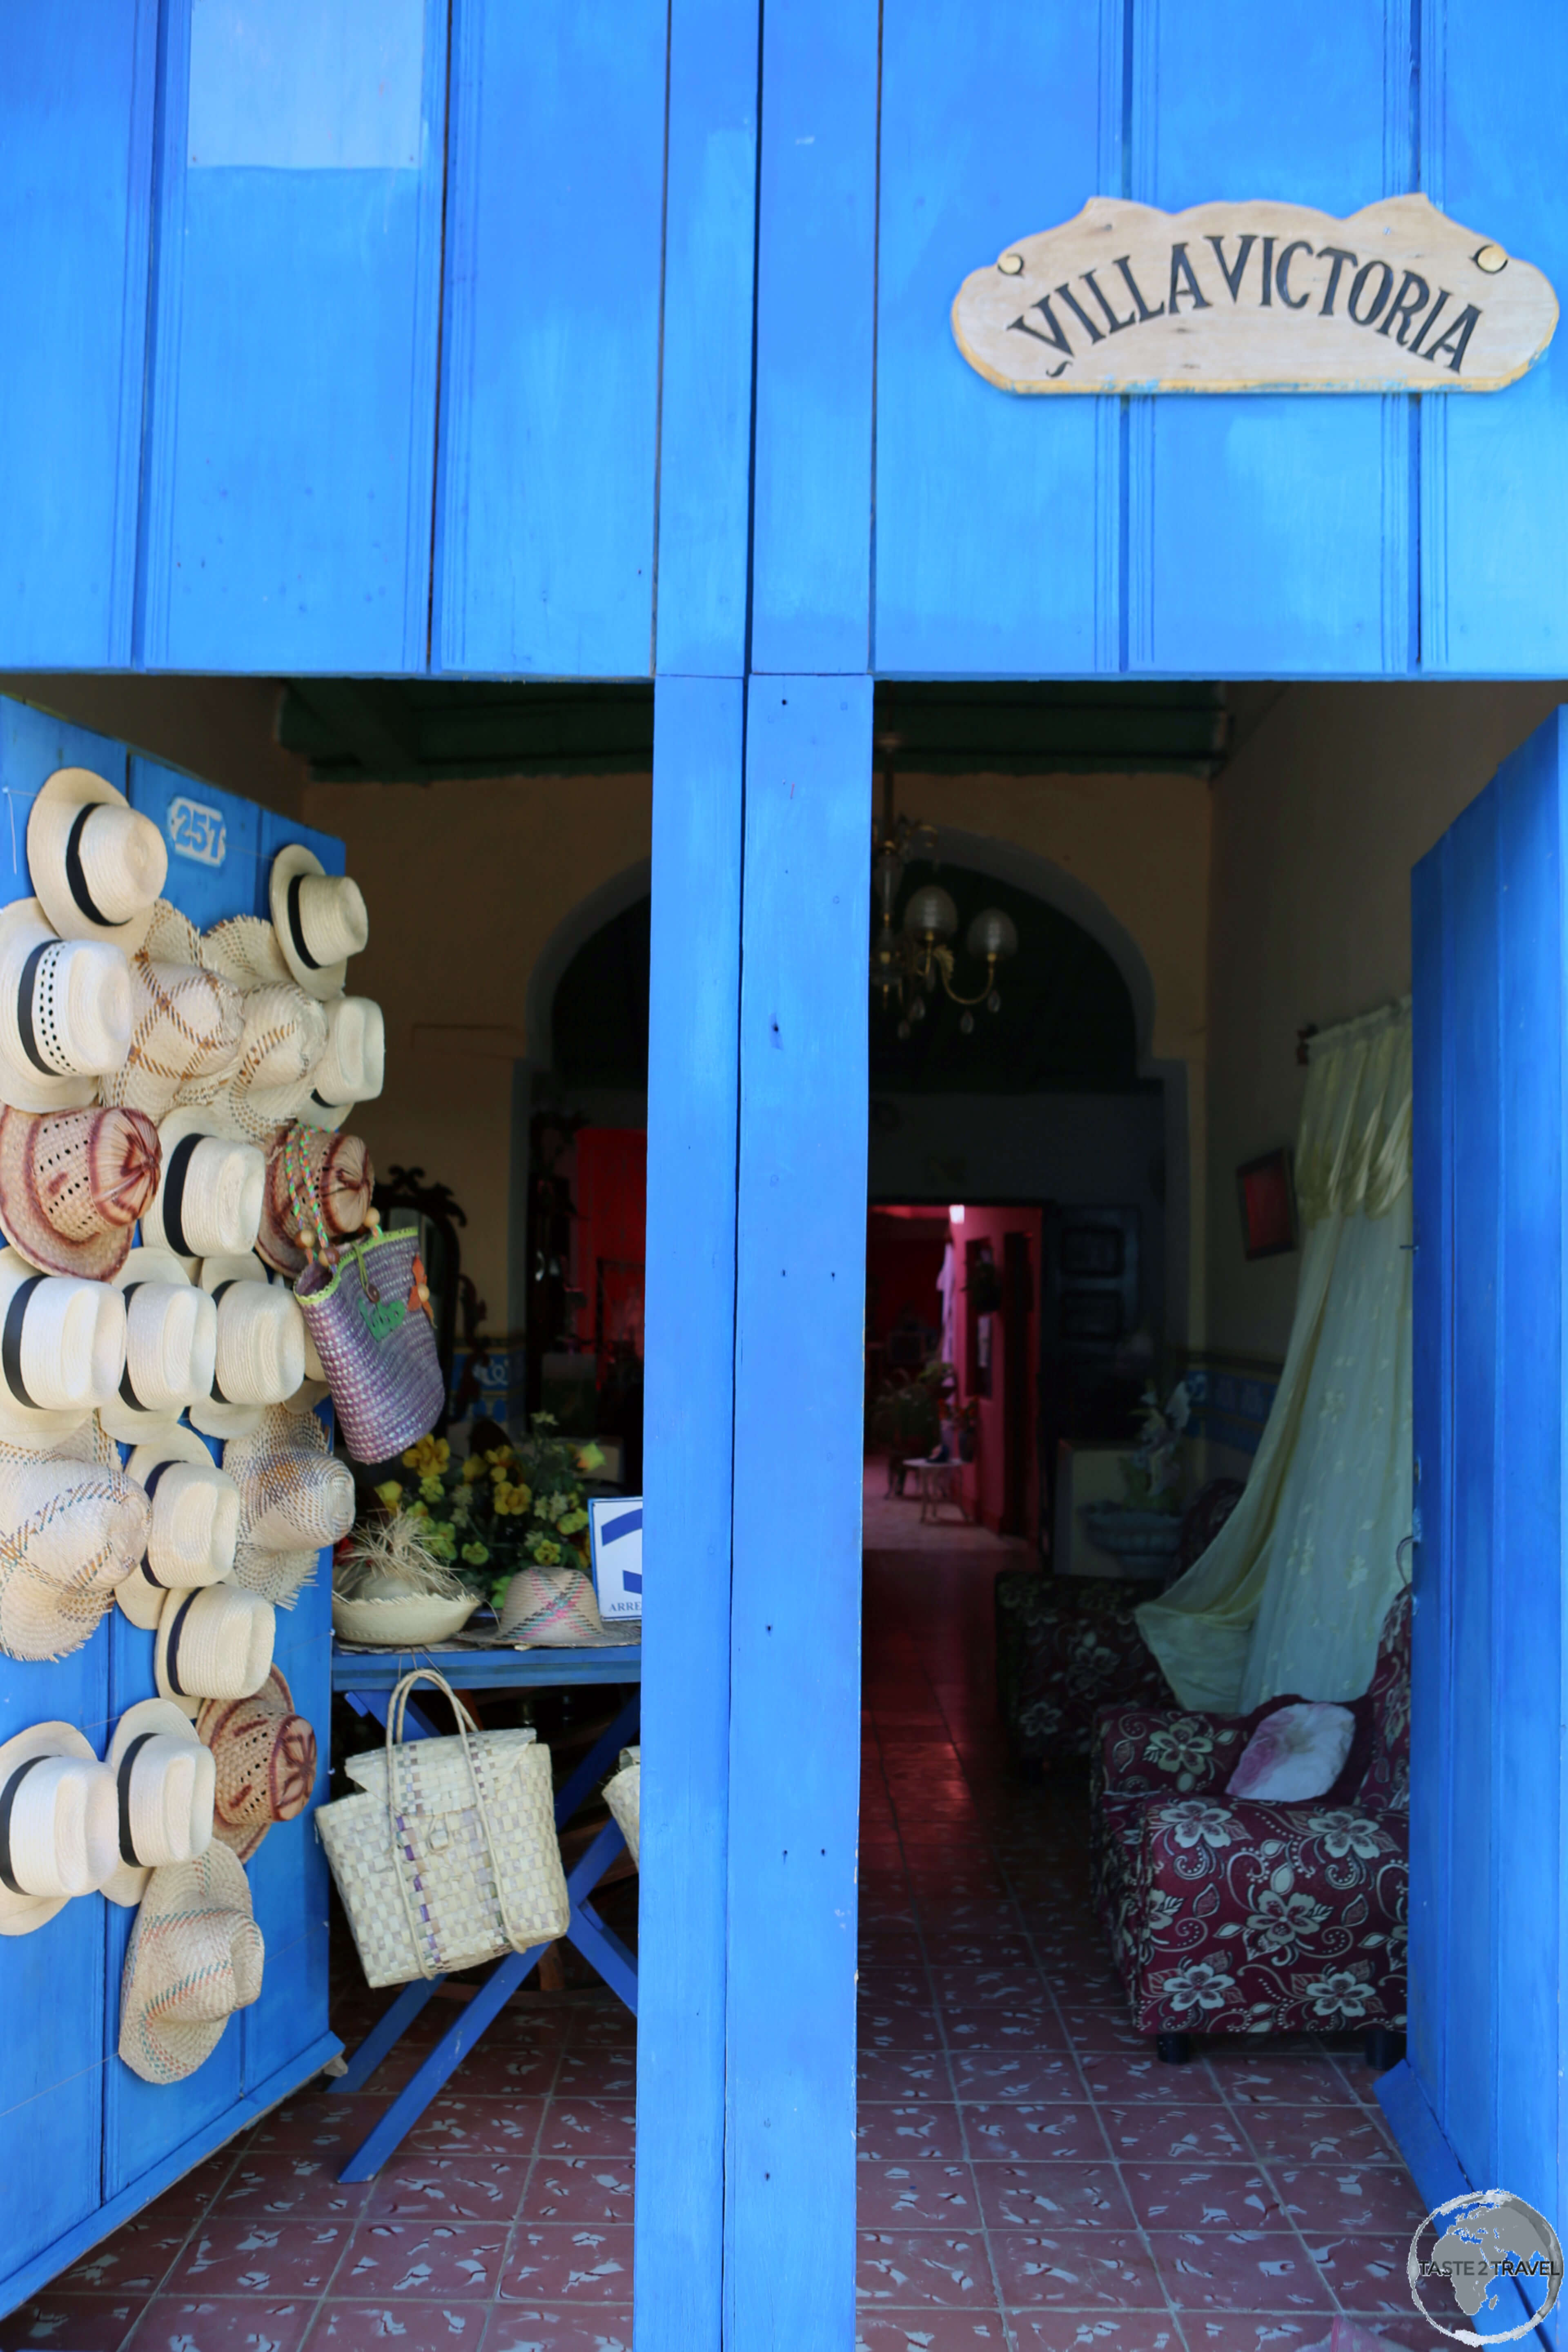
(58, 1824)
(65, 1012)
(96, 863)
(171, 1347)
(164, 1783)
(193, 1528)
(320, 920)
(352, 1069)
(215, 1643)
(62, 1349)
(210, 1190)
(260, 1346)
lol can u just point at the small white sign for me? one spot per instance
(197, 831)
(614, 1543)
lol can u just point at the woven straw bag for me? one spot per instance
(623, 1794)
(450, 1858)
(376, 1342)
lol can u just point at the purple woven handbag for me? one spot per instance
(376, 1342)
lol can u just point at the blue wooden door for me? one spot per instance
(1478, 2102)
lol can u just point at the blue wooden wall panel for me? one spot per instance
(705, 414)
(795, 1689)
(76, 132)
(550, 393)
(1272, 530)
(1469, 1750)
(689, 1415)
(1495, 598)
(291, 453)
(212, 838)
(996, 546)
(1528, 1573)
(817, 266)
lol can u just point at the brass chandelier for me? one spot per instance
(908, 964)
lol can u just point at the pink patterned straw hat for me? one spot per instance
(73, 1184)
(185, 1022)
(196, 1955)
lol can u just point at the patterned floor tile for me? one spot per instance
(1367, 2273)
(1337, 2136)
(418, 2183)
(925, 2267)
(587, 2190)
(1063, 2195)
(915, 2197)
(1239, 2271)
(589, 2128)
(408, 2326)
(1202, 2197)
(238, 2323)
(1263, 2332)
(426, 2260)
(260, 2257)
(1001, 2029)
(1352, 2200)
(1160, 2135)
(930, 2131)
(1095, 2331)
(476, 2126)
(514, 2329)
(552, 2264)
(59, 2320)
(133, 2261)
(1116, 2080)
(276, 2185)
(1028, 2074)
(930, 2331)
(1055, 2135)
(1075, 2270)
(902, 2075)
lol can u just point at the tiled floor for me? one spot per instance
(1032, 2178)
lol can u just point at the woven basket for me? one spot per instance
(449, 1857)
(377, 1343)
(623, 1794)
(407, 1624)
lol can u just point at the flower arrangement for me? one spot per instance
(505, 1507)
(1153, 1477)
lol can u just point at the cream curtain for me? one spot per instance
(1291, 1593)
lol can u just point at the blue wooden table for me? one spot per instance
(366, 1680)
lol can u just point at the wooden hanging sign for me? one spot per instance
(1255, 298)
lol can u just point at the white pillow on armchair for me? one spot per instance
(1295, 1753)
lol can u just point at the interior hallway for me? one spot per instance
(1032, 2177)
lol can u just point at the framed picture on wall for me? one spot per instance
(1267, 1191)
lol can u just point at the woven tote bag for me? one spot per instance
(377, 1343)
(449, 1857)
(623, 1794)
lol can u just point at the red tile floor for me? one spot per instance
(1032, 2178)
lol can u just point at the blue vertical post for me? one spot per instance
(795, 1741)
(693, 1084)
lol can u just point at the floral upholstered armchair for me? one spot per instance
(1230, 1915)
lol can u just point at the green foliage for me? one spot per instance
(906, 1411)
(511, 1507)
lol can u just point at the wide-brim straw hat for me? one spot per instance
(295, 1498)
(58, 1824)
(265, 1759)
(65, 1012)
(554, 1607)
(247, 951)
(260, 1346)
(171, 1347)
(73, 1184)
(193, 1527)
(353, 1068)
(97, 864)
(187, 1023)
(164, 1786)
(72, 1532)
(210, 1189)
(196, 1955)
(335, 1179)
(213, 1643)
(320, 920)
(284, 1037)
(62, 1349)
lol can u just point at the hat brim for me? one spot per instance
(163, 1720)
(47, 830)
(138, 1599)
(128, 1424)
(28, 1229)
(21, 1085)
(172, 1129)
(23, 1914)
(322, 980)
(212, 1883)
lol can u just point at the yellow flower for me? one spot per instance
(391, 1494)
(432, 1489)
(546, 1553)
(476, 1554)
(590, 1458)
(473, 1469)
(571, 1521)
(428, 1455)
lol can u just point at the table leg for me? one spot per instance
(604, 1951)
(383, 2035)
(621, 1734)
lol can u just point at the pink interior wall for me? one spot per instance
(994, 1225)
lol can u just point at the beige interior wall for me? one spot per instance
(1317, 823)
(1140, 844)
(465, 884)
(224, 729)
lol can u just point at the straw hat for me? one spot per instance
(353, 1068)
(284, 1037)
(185, 1022)
(171, 1347)
(265, 1760)
(194, 1525)
(320, 920)
(96, 863)
(62, 1349)
(208, 1202)
(72, 1532)
(164, 1787)
(260, 1346)
(73, 1183)
(331, 1175)
(294, 1499)
(59, 1818)
(65, 1012)
(213, 1643)
(194, 1957)
(245, 949)
(554, 1607)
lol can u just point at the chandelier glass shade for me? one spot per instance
(910, 960)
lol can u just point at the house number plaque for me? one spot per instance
(1255, 298)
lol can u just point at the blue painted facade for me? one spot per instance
(600, 342)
